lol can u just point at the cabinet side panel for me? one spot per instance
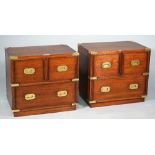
(8, 78)
(148, 70)
(83, 87)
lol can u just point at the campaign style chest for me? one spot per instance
(113, 72)
(42, 79)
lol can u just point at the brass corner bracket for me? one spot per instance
(74, 104)
(93, 52)
(92, 102)
(16, 110)
(144, 96)
(76, 54)
(145, 74)
(15, 85)
(147, 49)
(93, 78)
(75, 80)
(13, 57)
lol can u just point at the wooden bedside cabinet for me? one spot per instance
(113, 72)
(42, 79)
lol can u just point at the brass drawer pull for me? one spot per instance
(62, 93)
(106, 65)
(29, 70)
(105, 89)
(135, 62)
(62, 68)
(134, 86)
(30, 97)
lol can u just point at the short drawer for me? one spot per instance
(27, 71)
(118, 88)
(106, 65)
(45, 95)
(61, 68)
(135, 63)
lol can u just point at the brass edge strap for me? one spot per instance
(74, 104)
(93, 101)
(93, 78)
(93, 52)
(15, 85)
(16, 110)
(147, 49)
(75, 80)
(76, 54)
(144, 96)
(13, 57)
(145, 74)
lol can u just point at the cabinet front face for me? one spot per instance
(118, 88)
(38, 96)
(135, 63)
(63, 68)
(106, 65)
(27, 71)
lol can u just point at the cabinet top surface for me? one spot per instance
(39, 50)
(112, 46)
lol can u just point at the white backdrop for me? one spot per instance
(138, 110)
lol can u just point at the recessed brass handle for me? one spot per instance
(29, 70)
(63, 68)
(30, 97)
(62, 93)
(106, 65)
(134, 86)
(105, 89)
(135, 62)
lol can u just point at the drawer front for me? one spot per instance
(119, 88)
(28, 71)
(135, 63)
(106, 65)
(63, 68)
(38, 96)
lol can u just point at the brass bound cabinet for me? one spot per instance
(113, 72)
(42, 79)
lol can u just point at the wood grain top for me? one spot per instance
(39, 50)
(112, 46)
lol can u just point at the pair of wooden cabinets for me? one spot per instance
(45, 79)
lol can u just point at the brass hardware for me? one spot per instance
(63, 68)
(16, 110)
(93, 52)
(144, 96)
(105, 89)
(15, 85)
(135, 62)
(29, 71)
(62, 93)
(106, 65)
(147, 49)
(93, 78)
(13, 57)
(30, 97)
(145, 74)
(134, 86)
(76, 54)
(91, 102)
(74, 104)
(75, 80)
